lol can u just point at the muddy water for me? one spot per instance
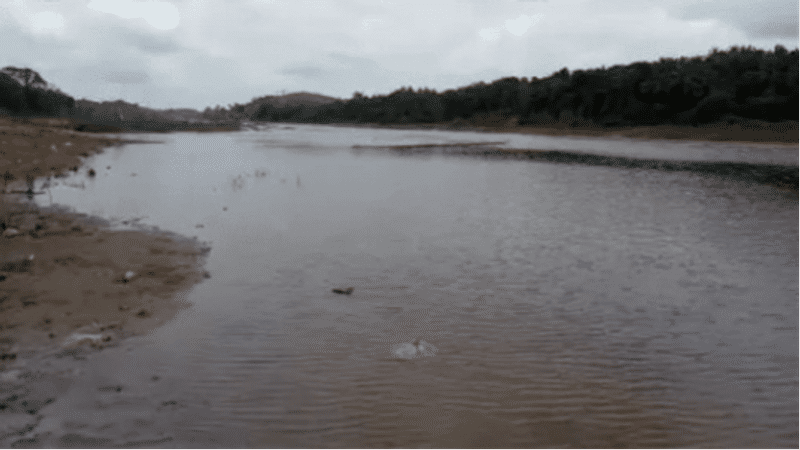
(496, 303)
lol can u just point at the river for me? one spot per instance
(499, 303)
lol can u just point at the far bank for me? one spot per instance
(787, 133)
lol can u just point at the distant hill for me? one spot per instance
(294, 99)
(262, 108)
(182, 114)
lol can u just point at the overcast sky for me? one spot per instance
(198, 53)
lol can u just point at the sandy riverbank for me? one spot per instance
(66, 279)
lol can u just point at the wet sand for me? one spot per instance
(67, 280)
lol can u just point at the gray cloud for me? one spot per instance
(232, 51)
(303, 71)
(123, 35)
(761, 19)
(150, 43)
(126, 77)
(788, 28)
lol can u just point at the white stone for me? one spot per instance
(416, 349)
(77, 339)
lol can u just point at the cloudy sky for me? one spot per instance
(198, 53)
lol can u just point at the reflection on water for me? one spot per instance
(496, 303)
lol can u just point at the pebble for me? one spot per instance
(10, 232)
(127, 277)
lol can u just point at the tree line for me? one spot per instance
(739, 84)
(734, 85)
(24, 92)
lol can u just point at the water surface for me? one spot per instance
(564, 305)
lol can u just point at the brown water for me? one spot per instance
(559, 305)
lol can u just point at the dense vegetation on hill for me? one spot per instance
(24, 92)
(731, 86)
(261, 106)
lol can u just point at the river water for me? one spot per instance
(496, 302)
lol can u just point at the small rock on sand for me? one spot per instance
(343, 291)
(10, 232)
(127, 277)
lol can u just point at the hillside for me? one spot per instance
(263, 107)
(742, 86)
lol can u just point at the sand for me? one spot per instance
(67, 280)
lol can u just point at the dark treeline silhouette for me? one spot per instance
(24, 93)
(740, 85)
(120, 115)
(731, 86)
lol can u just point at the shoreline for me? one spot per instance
(68, 282)
(777, 134)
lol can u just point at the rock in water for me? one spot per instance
(405, 351)
(416, 349)
(345, 291)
